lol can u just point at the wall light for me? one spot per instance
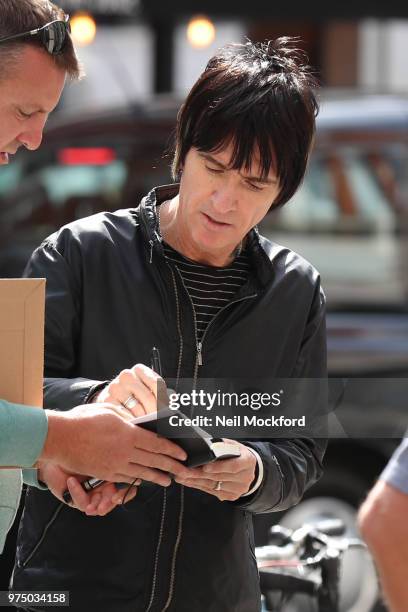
(200, 32)
(83, 29)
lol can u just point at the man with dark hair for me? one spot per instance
(258, 99)
(187, 271)
(36, 56)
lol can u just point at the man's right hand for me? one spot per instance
(95, 440)
(138, 389)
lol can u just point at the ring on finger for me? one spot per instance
(131, 402)
(218, 486)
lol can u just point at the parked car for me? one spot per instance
(349, 219)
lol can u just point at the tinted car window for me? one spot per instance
(65, 181)
(347, 220)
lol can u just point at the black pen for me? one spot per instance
(155, 361)
(90, 485)
(93, 483)
(87, 485)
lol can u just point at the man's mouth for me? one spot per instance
(4, 158)
(215, 222)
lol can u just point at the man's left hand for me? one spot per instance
(235, 475)
(99, 502)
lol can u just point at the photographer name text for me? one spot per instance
(236, 421)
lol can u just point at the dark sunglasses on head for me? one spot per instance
(52, 35)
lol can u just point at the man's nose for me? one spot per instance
(31, 140)
(225, 197)
(32, 136)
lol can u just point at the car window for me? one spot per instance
(313, 207)
(56, 193)
(9, 177)
(70, 180)
(345, 220)
(372, 203)
(63, 182)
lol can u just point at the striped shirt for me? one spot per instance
(209, 288)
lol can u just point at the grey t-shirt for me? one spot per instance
(396, 472)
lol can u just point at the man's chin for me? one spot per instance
(4, 159)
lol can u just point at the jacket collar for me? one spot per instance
(261, 251)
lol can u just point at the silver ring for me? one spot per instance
(218, 486)
(131, 402)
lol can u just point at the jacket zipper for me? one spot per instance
(175, 551)
(198, 362)
(275, 460)
(199, 359)
(181, 515)
(199, 344)
(180, 335)
(156, 557)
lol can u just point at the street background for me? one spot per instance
(106, 146)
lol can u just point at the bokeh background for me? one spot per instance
(143, 47)
(109, 142)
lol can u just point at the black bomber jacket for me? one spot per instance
(111, 296)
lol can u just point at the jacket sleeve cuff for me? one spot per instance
(23, 433)
(66, 393)
(268, 495)
(94, 390)
(30, 478)
(260, 473)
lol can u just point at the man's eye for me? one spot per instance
(214, 170)
(24, 115)
(254, 187)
